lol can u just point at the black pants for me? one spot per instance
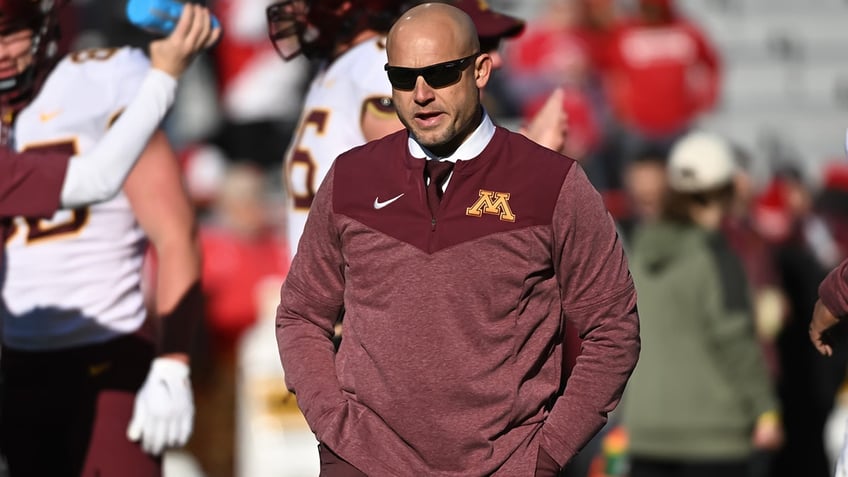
(66, 412)
(334, 466)
(640, 467)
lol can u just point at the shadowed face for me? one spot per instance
(440, 115)
(646, 185)
(15, 52)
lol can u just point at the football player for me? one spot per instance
(47, 181)
(349, 101)
(88, 389)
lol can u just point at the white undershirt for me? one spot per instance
(468, 150)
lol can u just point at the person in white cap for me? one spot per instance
(701, 386)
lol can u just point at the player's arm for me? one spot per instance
(379, 118)
(162, 207)
(599, 299)
(99, 173)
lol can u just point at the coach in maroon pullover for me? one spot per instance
(454, 314)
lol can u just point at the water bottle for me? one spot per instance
(157, 16)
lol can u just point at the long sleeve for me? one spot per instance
(310, 302)
(98, 174)
(599, 298)
(710, 61)
(833, 290)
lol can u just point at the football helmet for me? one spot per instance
(316, 27)
(42, 17)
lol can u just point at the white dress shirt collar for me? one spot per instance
(471, 148)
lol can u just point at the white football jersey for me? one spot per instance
(331, 124)
(75, 279)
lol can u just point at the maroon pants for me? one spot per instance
(65, 413)
(334, 466)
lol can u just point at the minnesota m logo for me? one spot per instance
(491, 202)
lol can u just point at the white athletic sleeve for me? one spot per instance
(99, 173)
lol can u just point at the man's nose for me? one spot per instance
(423, 92)
(5, 51)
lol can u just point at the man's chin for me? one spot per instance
(429, 139)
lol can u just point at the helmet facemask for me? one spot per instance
(41, 17)
(287, 27)
(317, 27)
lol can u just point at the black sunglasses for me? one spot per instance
(437, 76)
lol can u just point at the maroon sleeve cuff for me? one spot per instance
(833, 290)
(31, 183)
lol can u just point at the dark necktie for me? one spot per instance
(437, 172)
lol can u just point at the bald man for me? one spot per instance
(456, 250)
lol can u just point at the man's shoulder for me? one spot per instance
(533, 157)
(378, 149)
(361, 60)
(375, 162)
(86, 88)
(372, 50)
(361, 68)
(104, 63)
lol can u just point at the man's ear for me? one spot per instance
(482, 70)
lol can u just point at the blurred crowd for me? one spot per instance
(636, 76)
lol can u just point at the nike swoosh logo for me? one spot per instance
(49, 116)
(379, 205)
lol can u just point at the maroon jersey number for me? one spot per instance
(301, 157)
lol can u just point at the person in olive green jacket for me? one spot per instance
(700, 400)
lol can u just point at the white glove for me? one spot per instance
(164, 407)
(841, 468)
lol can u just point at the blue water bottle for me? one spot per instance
(157, 16)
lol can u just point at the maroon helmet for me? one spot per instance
(42, 17)
(316, 27)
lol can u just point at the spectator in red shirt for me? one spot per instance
(553, 54)
(660, 73)
(243, 255)
(241, 250)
